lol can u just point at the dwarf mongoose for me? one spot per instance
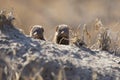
(37, 32)
(62, 34)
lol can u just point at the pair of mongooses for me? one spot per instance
(61, 34)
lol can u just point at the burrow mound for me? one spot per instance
(24, 58)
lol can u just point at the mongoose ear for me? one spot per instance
(57, 28)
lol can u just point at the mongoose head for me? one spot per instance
(37, 32)
(62, 34)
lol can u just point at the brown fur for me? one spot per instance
(62, 34)
(37, 32)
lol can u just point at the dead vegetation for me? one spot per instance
(77, 37)
(103, 39)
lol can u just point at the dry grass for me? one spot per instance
(103, 39)
(82, 36)
(77, 37)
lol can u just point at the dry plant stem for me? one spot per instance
(61, 74)
(85, 31)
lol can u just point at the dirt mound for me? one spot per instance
(24, 58)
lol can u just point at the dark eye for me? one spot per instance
(60, 30)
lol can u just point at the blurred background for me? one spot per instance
(50, 13)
